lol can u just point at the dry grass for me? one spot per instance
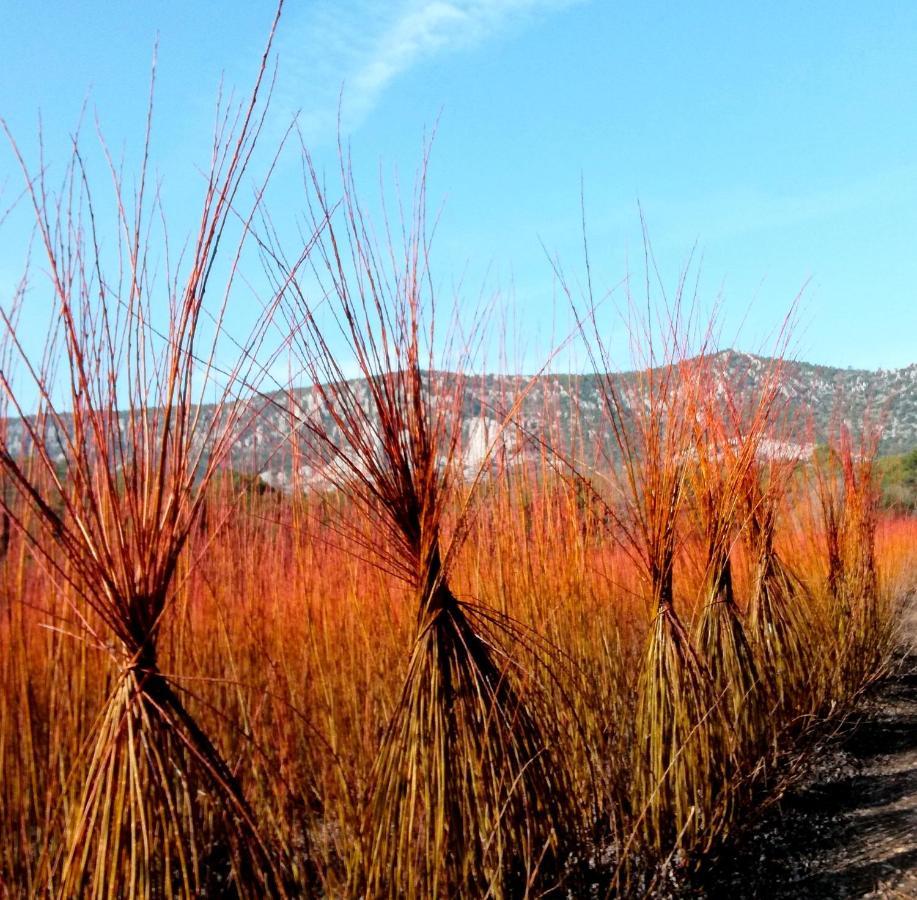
(296, 652)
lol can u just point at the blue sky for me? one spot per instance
(781, 138)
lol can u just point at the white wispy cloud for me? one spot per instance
(364, 46)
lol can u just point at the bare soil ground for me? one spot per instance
(850, 829)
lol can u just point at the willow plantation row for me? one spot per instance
(570, 667)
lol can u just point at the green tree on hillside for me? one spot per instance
(909, 470)
(898, 476)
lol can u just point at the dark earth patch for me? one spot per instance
(850, 829)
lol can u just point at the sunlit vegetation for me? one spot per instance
(898, 481)
(574, 666)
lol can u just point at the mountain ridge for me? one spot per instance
(817, 396)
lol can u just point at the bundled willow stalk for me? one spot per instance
(466, 798)
(723, 457)
(678, 772)
(829, 494)
(856, 620)
(777, 625)
(110, 477)
(866, 637)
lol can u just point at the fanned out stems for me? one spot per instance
(729, 434)
(776, 621)
(466, 795)
(678, 775)
(829, 494)
(860, 507)
(106, 486)
(721, 639)
(847, 500)
(430, 748)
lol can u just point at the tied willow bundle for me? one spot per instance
(106, 485)
(677, 770)
(729, 434)
(466, 797)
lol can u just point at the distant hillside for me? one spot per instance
(816, 394)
